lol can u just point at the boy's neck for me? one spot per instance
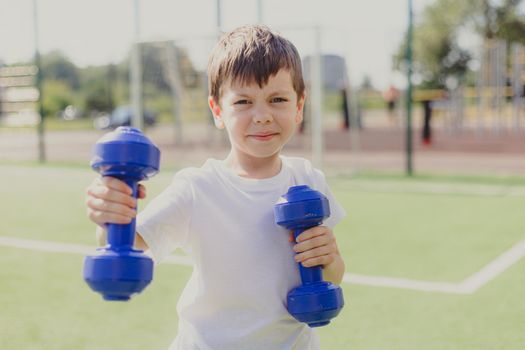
(254, 168)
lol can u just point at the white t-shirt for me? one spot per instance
(243, 262)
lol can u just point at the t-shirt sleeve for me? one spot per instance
(337, 212)
(164, 223)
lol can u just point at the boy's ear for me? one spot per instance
(300, 109)
(216, 111)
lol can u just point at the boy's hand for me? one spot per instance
(110, 200)
(316, 246)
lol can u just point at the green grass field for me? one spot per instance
(411, 234)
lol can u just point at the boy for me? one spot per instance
(222, 213)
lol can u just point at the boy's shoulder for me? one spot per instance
(303, 170)
(299, 164)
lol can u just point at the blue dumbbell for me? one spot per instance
(315, 302)
(117, 271)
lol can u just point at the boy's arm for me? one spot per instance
(334, 272)
(101, 236)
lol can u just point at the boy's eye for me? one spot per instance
(241, 102)
(278, 99)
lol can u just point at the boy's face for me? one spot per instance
(259, 121)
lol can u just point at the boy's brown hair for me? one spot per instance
(252, 53)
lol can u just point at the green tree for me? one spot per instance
(56, 66)
(155, 65)
(499, 20)
(95, 88)
(57, 96)
(437, 54)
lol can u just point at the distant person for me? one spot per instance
(391, 96)
(221, 214)
(427, 116)
(346, 109)
(350, 112)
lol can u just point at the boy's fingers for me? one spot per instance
(312, 232)
(141, 191)
(116, 184)
(102, 218)
(111, 195)
(319, 261)
(312, 253)
(312, 243)
(100, 205)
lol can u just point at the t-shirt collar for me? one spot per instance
(267, 184)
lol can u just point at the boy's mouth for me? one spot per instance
(263, 136)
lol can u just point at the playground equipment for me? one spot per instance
(118, 271)
(498, 95)
(495, 104)
(315, 302)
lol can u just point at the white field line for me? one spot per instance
(389, 282)
(433, 188)
(470, 285)
(493, 269)
(56, 247)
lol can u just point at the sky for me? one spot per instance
(93, 32)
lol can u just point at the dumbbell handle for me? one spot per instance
(122, 236)
(312, 274)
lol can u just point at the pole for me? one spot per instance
(409, 169)
(175, 82)
(136, 71)
(219, 22)
(353, 112)
(517, 82)
(259, 12)
(317, 98)
(38, 64)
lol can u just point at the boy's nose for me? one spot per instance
(262, 116)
